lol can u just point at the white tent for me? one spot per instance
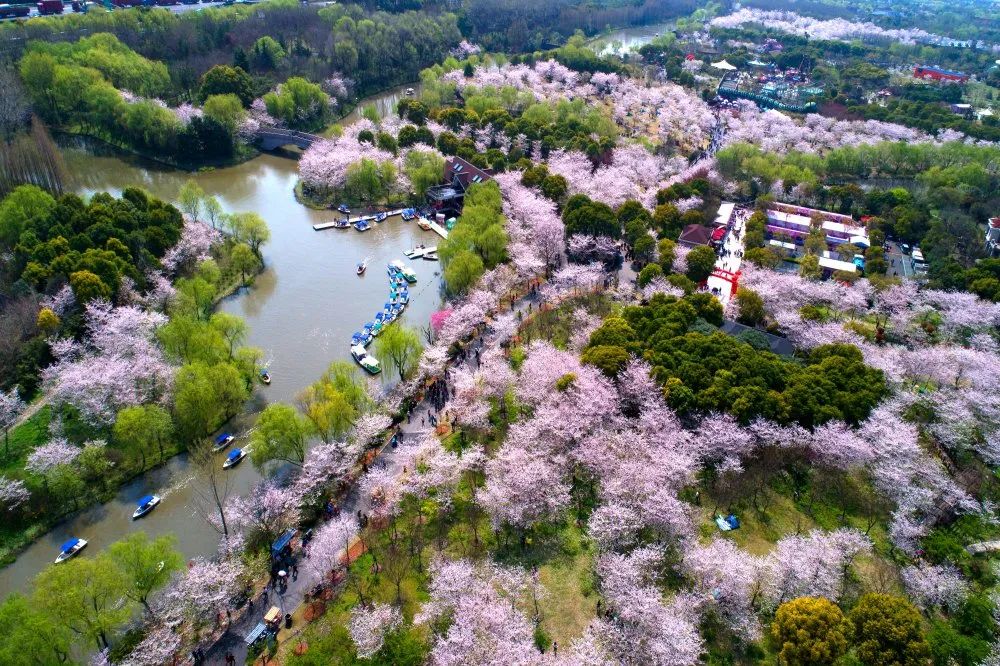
(723, 65)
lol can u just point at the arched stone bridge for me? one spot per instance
(276, 137)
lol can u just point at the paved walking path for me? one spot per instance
(412, 431)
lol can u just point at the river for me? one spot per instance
(301, 312)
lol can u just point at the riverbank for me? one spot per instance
(244, 152)
(33, 433)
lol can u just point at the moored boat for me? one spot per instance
(362, 225)
(70, 548)
(222, 441)
(234, 458)
(365, 360)
(146, 504)
(344, 208)
(410, 92)
(424, 223)
(381, 217)
(342, 223)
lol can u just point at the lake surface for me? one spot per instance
(622, 41)
(301, 312)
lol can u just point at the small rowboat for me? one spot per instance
(234, 458)
(362, 267)
(70, 548)
(146, 504)
(344, 208)
(410, 92)
(381, 217)
(222, 441)
(265, 376)
(362, 225)
(342, 223)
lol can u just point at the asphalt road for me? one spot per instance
(899, 263)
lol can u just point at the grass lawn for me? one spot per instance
(23, 440)
(572, 598)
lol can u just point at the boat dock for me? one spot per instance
(371, 218)
(437, 228)
(418, 252)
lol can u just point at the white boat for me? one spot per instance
(222, 441)
(234, 458)
(70, 548)
(410, 92)
(146, 504)
(366, 361)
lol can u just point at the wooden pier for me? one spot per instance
(418, 252)
(371, 218)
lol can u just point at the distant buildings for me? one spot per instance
(993, 237)
(796, 222)
(937, 74)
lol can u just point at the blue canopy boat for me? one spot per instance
(344, 208)
(70, 548)
(234, 458)
(222, 441)
(362, 225)
(146, 504)
(381, 217)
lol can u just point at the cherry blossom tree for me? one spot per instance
(157, 648)
(643, 629)
(328, 547)
(13, 493)
(369, 625)
(11, 407)
(203, 590)
(487, 626)
(935, 586)
(195, 245)
(119, 363)
(522, 489)
(49, 456)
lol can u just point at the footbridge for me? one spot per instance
(271, 138)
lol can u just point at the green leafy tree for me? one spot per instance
(145, 565)
(462, 272)
(87, 287)
(281, 435)
(810, 631)
(227, 110)
(205, 396)
(700, 263)
(266, 53)
(648, 274)
(243, 261)
(190, 198)
(249, 228)
(750, 307)
(141, 428)
(424, 169)
(888, 632)
(401, 347)
(226, 80)
(26, 206)
(31, 636)
(84, 595)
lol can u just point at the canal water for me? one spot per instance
(301, 312)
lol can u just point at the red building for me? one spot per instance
(938, 74)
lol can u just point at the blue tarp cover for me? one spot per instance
(221, 438)
(282, 541)
(68, 545)
(234, 454)
(145, 499)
